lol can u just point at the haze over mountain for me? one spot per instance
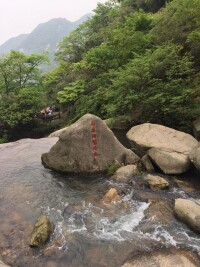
(45, 37)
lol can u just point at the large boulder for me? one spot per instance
(88, 146)
(41, 232)
(169, 162)
(167, 148)
(188, 211)
(195, 157)
(147, 135)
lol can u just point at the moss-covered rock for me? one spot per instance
(41, 232)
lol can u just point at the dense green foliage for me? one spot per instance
(21, 93)
(131, 55)
(125, 58)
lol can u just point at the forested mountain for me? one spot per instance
(12, 44)
(131, 55)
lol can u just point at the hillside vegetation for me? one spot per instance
(131, 55)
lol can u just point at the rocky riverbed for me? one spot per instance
(139, 228)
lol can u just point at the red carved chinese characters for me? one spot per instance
(94, 138)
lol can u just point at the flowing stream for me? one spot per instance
(87, 232)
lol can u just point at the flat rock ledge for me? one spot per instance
(188, 211)
(87, 146)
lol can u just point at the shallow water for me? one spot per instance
(87, 232)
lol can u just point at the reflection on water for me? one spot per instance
(87, 232)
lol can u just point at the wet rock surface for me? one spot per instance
(111, 195)
(168, 259)
(156, 182)
(41, 232)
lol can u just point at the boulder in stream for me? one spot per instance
(169, 149)
(125, 173)
(41, 232)
(188, 211)
(87, 146)
(111, 195)
(169, 162)
(156, 182)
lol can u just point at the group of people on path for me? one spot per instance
(48, 112)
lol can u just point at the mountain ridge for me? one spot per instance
(43, 38)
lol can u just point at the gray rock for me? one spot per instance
(196, 128)
(147, 163)
(156, 182)
(145, 136)
(169, 162)
(195, 157)
(58, 132)
(88, 145)
(188, 211)
(41, 232)
(124, 174)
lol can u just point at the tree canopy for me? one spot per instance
(21, 92)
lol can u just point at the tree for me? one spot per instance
(20, 88)
(22, 108)
(161, 83)
(18, 70)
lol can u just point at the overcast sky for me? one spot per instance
(22, 16)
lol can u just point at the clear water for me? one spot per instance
(87, 232)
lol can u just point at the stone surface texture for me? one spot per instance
(169, 149)
(125, 173)
(169, 162)
(111, 195)
(188, 211)
(87, 146)
(156, 182)
(41, 231)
